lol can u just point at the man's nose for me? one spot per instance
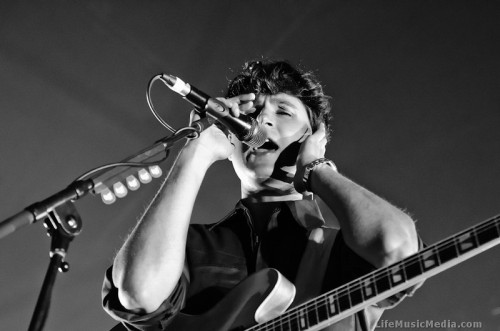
(265, 118)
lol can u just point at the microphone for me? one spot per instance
(244, 127)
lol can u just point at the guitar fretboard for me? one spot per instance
(334, 305)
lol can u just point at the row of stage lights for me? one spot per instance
(132, 183)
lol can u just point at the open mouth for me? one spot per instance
(268, 146)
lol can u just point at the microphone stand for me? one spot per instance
(63, 222)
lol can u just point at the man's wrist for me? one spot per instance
(305, 183)
(191, 154)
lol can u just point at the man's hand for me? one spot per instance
(213, 144)
(313, 147)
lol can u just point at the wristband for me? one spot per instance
(304, 185)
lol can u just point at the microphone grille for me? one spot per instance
(258, 136)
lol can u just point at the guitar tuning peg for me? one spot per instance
(132, 183)
(155, 171)
(120, 190)
(144, 176)
(107, 196)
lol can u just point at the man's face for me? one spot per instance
(285, 119)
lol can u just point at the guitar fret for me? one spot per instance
(456, 244)
(389, 277)
(285, 323)
(373, 277)
(382, 282)
(473, 233)
(429, 259)
(466, 242)
(322, 310)
(355, 294)
(361, 287)
(436, 251)
(448, 252)
(293, 321)
(421, 263)
(343, 302)
(296, 320)
(413, 268)
(349, 296)
(312, 318)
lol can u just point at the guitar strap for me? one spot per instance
(310, 278)
(313, 265)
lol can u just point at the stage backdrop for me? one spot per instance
(414, 84)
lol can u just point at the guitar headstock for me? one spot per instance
(129, 180)
(117, 181)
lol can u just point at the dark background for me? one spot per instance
(415, 88)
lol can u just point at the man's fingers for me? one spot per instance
(247, 107)
(246, 97)
(320, 133)
(244, 103)
(304, 136)
(193, 116)
(242, 98)
(234, 109)
(322, 128)
(239, 104)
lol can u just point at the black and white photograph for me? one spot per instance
(249, 165)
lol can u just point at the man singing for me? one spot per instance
(169, 264)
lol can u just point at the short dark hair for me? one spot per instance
(272, 77)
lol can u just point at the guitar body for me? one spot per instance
(259, 298)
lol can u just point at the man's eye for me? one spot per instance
(283, 112)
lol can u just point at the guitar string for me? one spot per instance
(358, 284)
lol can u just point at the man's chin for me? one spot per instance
(261, 159)
(262, 173)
